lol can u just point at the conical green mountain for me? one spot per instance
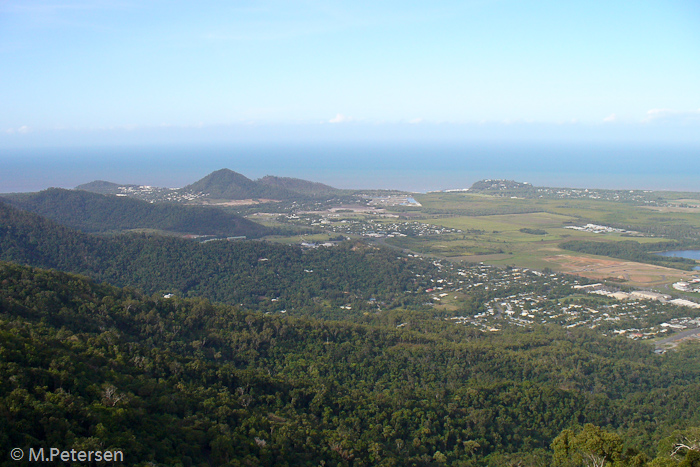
(227, 184)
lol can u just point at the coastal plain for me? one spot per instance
(510, 229)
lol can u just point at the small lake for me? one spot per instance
(690, 254)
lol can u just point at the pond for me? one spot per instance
(690, 254)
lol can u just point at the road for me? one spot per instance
(678, 336)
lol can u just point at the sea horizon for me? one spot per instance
(413, 167)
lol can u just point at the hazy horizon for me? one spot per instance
(406, 166)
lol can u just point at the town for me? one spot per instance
(524, 297)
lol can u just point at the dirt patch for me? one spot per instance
(598, 269)
(232, 202)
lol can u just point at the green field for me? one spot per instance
(600, 212)
(502, 234)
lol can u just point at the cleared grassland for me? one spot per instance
(473, 204)
(502, 234)
(600, 212)
(505, 221)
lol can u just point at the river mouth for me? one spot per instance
(690, 254)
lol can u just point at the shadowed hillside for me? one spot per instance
(268, 276)
(92, 212)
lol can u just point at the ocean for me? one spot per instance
(417, 167)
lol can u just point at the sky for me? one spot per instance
(89, 72)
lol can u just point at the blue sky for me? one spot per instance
(85, 72)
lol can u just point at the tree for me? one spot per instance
(592, 447)
(682, 448)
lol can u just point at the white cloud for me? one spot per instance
(416, 120)
(24, 129)
(340, 118)
(610, 118)
(672, 116)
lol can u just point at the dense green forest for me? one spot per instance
(633, 251)
(92, 212)
(302, 187)
(533, 231)
(184, 382)
(268, 276)
(682, 232)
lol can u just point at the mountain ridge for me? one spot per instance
(222, 184)
(227, 184)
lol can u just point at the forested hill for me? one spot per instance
(220, 185)
(92, 212)
(185, 382)
(267, 276)
(227, 184)
(303, 187)
(104, 188)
